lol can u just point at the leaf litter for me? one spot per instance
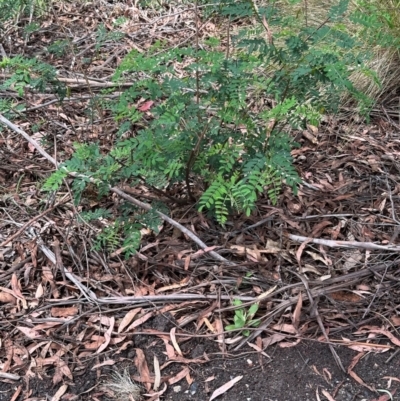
(62, 309)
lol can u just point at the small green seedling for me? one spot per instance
(244, 318)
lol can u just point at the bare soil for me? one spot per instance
(303, 372)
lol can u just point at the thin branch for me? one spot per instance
(121, 193)
(31, 221)
(345, 244)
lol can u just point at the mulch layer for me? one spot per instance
(322, 265)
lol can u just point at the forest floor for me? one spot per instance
(71, 317)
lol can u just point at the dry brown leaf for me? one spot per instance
(319, 228)
(272, 247)
(378, 349)
(258, 349)
(7, 298)
(327, 375)
(377, 330)
(297, 312)
(189, 379)
(39, 291)
(327, 395)
(30, 333)
(289, 344)
(275, 338)
(169, 348)
(140, 321)
(182, 283)
(16, 394)
(354, 374)
(223, 389)
(143, 369)
(220, 330)
(299, 252)
(179, 376)
(386, 397)
(95, 343)
(128, 318)
(174, 342)
(108, 362)
(60, 392)
(157, 373)
(107, 336)
(286, 328)
(64, 311)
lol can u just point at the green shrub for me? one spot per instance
(217, 117)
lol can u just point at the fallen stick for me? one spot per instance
(345, 244)
(119, 192)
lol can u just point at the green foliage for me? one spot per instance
(31, 73)
(220, 117)
(243, 318)
(102, 36)
(59, 47)
(55, 180)
(11, 9)
(97, 214)
(380, 22)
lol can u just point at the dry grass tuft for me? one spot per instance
(384, 62)
(123, 387)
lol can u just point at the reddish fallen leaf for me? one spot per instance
(179, 376)
(30, 333)
(189, 379)
(156, 396)
(16, 289)
(299, 252)
(327, 395)
(60, 392)
(219, 328)
(327, 375)
(289, 344)
(286, 328)
(297, 312)
(174, 342)
(107, 336)
(61, 370)
(354, 374)
(377, 348)
(386, 333)
(143, 369)
(7, 298)
(258, 349)
(169, 348)
(108, 362)
(127, 319)
(223, 389)
(64, 312)
(157, 373)
(146, 106)
(275, 338)
(16, 394)
(386, 397)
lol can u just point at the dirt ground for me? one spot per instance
(304, 372)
